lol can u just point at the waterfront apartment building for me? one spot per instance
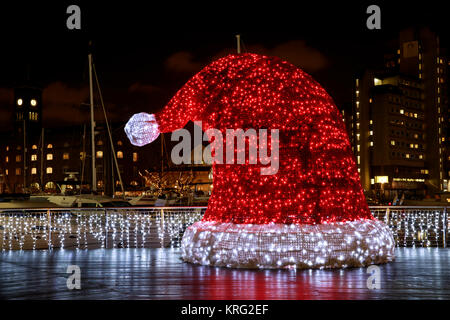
(38, 159)
(398, 127)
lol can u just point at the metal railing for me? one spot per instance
(144, 227)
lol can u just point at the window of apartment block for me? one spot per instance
(99, 154)
(49, 156)
(33, 170)
(18, 158)
(135, 157)
(33, 157)
(120, 154)
(49, 170)
(65, 156)
(18, 171)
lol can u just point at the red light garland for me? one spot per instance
(312, 212)
(317, 181)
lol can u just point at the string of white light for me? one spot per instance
(332, 245)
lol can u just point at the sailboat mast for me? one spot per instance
(91, 94)
(42, 159)
(238, 39)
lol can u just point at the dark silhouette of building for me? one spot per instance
(399, 122)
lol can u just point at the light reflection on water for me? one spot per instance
(160, 274)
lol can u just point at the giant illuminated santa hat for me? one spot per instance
(312, 212)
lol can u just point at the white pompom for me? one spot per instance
(142, 129)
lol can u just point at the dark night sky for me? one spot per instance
(144, 52)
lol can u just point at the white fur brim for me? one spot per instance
(333, 245)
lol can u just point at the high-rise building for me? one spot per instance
(399, 123)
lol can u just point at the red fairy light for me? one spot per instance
(317, 180)
(312, 212)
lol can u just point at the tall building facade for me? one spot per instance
(399, 122)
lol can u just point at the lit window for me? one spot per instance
(381, 179)
(99, 142)
(119, 143)
(18, 158)
(7, 148)
(6, 171)
(100, 184)
(49, 156)
(377, 81)
(371, 133)
(49, 146)
(402, 111)
(120, 154)
(135, 157)
(34, 147)
(18, 171)
(393, 142)
(33, 157)
(33, 102)
(99, 154)
(420, 156)
(372, 181)
(407, 156)
(7, 159)
(82, 155)
(19, 102)
(65, 156)
(33, 170)
(370, 100)
(371, 143)
(49, 170)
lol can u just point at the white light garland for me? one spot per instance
(156, 227)
(333, 245)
